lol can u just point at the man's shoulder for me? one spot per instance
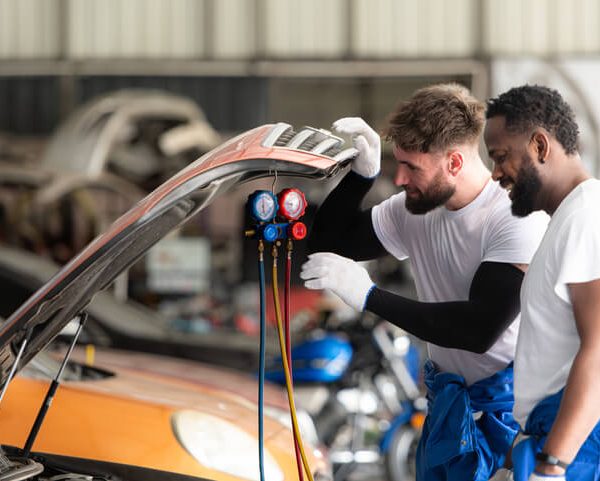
(500, 212)
(589, 195)
(579, 208)
(393, 206)
(500, 222)
(497, 198)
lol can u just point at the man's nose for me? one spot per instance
(401, 178)
(497, 172)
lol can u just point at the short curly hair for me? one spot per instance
(435, 118)
(530, 106)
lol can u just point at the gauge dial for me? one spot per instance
(292, 203)
(263, 205)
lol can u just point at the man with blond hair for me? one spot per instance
(467, 253)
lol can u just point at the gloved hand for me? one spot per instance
(344, 277)
(546, 477)
(503, 474)
(366, 141)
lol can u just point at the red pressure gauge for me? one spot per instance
(292, 203)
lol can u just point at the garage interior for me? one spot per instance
(103, 101)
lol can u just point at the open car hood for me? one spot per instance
(267, 150)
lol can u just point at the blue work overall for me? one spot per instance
(585, 466)
(468, 429)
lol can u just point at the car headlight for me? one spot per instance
(306, 425)
(220, 445)
(322, 470)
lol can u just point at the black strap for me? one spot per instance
(551, 460)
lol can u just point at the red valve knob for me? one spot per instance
(298, 230)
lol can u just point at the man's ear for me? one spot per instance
(455, 162)
(541, 144)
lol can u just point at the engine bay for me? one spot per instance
(46, 467)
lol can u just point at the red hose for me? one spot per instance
(288, 341)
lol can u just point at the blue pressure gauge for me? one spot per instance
(263, 205)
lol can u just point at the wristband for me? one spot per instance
(551, 460)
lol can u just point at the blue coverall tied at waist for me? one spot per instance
(585, 466)
(469, 429)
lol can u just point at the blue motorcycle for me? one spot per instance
(359, 381)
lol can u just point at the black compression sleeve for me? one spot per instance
(472, 325)
(341, 227)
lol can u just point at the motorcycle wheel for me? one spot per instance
(401, 456)
(330, 420)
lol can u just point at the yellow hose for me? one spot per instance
(286, 367)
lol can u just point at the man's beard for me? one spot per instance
(526, 188)
(437, 194)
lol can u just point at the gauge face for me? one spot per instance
(264, 205)
(292, 203)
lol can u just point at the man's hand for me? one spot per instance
(344, 277)
(503, 474)
(366, 141)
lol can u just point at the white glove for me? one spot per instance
(503, 474)
(546, 477)
(366, 141)
(344, 277)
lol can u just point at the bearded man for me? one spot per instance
(467, 253)
(532, 137)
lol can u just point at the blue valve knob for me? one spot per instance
(270, 233)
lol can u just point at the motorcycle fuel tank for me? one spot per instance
(323, 360)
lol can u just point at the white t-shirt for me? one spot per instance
(446, 248)
(548, 341)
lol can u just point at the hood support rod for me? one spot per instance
(52, 391)
(13, 368)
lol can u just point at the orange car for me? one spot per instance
(139, 422)
(146, 417)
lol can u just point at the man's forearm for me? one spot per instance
(579, 409)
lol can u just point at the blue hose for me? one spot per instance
(261, 368)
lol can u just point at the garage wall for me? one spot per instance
(406, 28)
(29, 105)
(292, 29)
(30, 29)
(135, 29)
(233, 29)
(307, 28)
(541, 27)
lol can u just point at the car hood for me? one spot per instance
(153, 388)
(273, 149)
(228, 382)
